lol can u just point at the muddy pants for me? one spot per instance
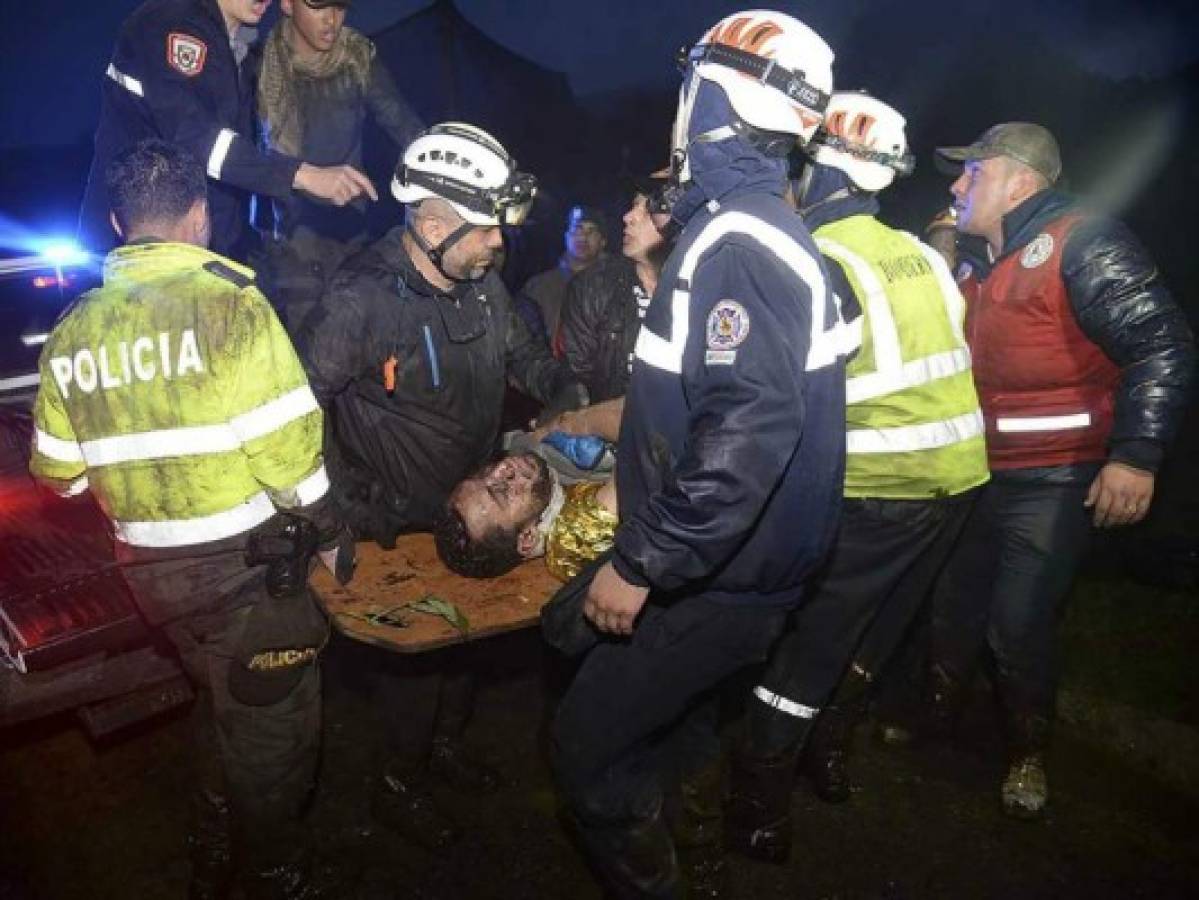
(255, 766)
(883, 565)
(1007, 579)
(645, 708)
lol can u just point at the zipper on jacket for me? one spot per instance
(434, 366)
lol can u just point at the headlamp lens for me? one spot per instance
(514, 200)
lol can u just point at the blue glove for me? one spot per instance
(584, 450)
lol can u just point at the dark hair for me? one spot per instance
(493, 555)
(153, 181)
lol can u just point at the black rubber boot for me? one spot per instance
(452, 763)
(635, 860)
(826, 757)
(699, 834)
(404, 804)
(757, 817)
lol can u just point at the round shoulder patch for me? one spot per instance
(728, 325)
(1037, 251)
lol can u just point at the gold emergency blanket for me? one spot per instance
(582, 531)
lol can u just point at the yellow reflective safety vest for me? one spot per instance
(173, 392)
(914, 428)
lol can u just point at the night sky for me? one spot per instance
(53, 52)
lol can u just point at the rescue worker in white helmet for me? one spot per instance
(729, 488)
(173, 395)
(914, 460)
(410, 351)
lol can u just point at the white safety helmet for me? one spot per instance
(776, 72)
(470, 170)
(865, 139)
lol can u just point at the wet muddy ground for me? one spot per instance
(81, 821)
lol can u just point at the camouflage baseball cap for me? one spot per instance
(1022, 141)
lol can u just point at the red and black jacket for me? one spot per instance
(1080, 352)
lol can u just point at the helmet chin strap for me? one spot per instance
(437, 254)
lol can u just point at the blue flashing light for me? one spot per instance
(63, 253)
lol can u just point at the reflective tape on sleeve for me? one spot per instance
(56, 448)
(129, 83)
(220, 149)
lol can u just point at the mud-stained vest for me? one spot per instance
(1047, 390)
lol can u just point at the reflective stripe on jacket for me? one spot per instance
(173, 392)
(914, 429)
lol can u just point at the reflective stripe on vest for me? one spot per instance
(201, 439)
(183, 532)
(909, 438)
(891, 373)
(827, 343)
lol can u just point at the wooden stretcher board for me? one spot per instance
(388, 579)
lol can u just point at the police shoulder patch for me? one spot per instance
(186, 53)
(1038, 250)
(728, 325)
(220, 270)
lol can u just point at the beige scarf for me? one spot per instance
(282, 118)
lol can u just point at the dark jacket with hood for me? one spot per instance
(1121, 304)
(732, 445)
(414, 377)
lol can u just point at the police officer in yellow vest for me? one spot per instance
(915, 455)
(174, 396)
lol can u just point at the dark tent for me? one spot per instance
(450, 70)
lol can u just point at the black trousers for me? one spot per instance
(641, 708)
(262, 760)
(887, 555)
(422, 697)
(1007, 580)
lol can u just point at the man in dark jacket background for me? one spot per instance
(1083, 363)
(318, 81)
(409, 352)
(606, 302)
(181, 72)
(542, 297)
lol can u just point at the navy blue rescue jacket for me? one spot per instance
(732, 444)
(174, 76)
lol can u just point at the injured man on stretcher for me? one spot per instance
(543, 498)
